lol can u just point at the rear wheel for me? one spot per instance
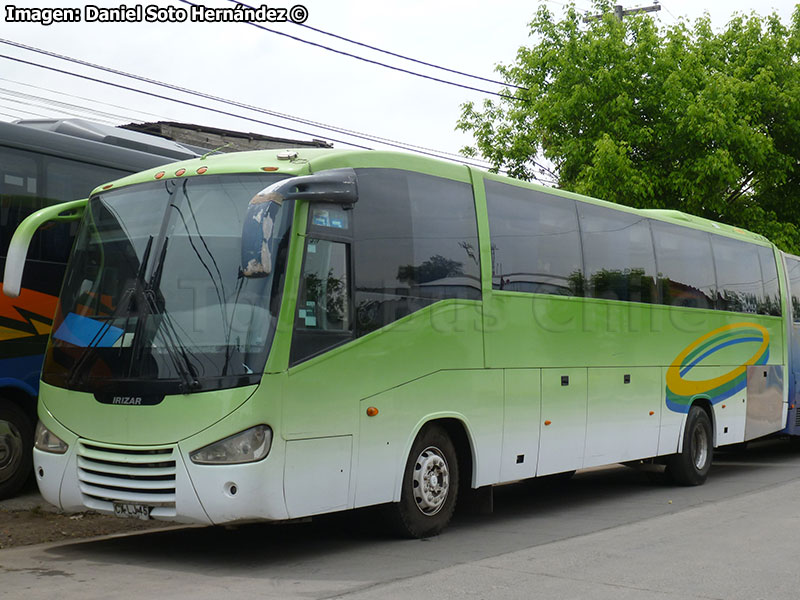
(16, 448)
(691, 465)
(430, 485)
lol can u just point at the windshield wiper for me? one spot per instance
(124, 301)
(177, 351)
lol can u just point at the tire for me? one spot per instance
(16, 448)
(692, 464)
(430, 486)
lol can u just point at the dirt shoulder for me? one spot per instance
(28, 519)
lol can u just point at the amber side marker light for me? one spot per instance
(202, 170)
(547, 423)
(160, 174)
(108, 187)
(180, 172)
(372, 411)
(269, 168)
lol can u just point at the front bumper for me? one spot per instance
(96, 476)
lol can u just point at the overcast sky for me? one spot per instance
(243, 63)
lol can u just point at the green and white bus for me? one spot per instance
(274, 335)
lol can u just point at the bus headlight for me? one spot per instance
(47, 441)
(246, 446)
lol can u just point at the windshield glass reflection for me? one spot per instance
(154, 293)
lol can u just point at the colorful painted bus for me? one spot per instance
(276, 335)
(43, 163)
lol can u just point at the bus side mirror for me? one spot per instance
(18, 248)
(335, 186)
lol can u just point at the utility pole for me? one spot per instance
(620, 12)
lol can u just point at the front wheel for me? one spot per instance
(430, 485)
(692, 464)
(16, 448)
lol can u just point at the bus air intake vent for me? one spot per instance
(797, 417)
(110, 474)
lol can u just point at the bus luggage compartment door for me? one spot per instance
(764, 400)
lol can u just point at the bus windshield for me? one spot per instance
(154, 298)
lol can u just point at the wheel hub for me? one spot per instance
(700, 448)
(431, 481)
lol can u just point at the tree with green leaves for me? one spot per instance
(678, 117)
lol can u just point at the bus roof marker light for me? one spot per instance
(180, 172)
(372, 411)
(108, 187)
(202, 170)
(160, 174)
(269, 168)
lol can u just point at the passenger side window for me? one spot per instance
(793, 275)
(739, 285)
(685, 266)
(415, 241)
(619, 260)
(535, 241)
(771, 304)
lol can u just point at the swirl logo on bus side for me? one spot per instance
(681, 391)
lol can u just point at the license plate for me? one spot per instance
(132, 511)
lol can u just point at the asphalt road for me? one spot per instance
(607, 533)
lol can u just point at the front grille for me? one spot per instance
(109, 474)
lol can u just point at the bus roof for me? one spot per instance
(304, 161)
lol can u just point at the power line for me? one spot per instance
(28, 103)
(24, 111)
(202, 107)
(44, 89)
(10, 115)
(674, 18)
(418, 149)
(369, 60)
(396, 54)
(288, 117)
(169, 99)
(67, 105)
(386, 141)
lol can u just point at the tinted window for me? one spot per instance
(739, 285)
(793, 274)
(685, 265)
(535, 241)
(323, 303)
(19, 187)
(619, 262)
(323, 317)
(29, 182)
(771, 303)
(415, 242)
